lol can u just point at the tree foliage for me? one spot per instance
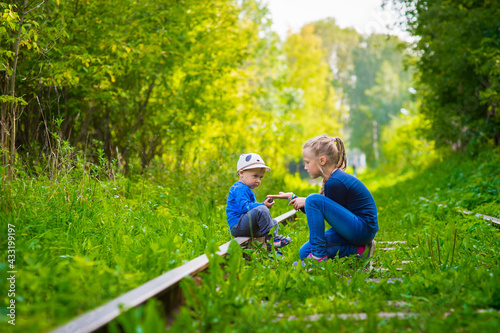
(371, 81)
(312, 75)
(458, 68)
(378, 93)
(183, 83)
(174, 81)
(131, 83)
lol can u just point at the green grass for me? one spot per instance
(451, 286)
(81, 242)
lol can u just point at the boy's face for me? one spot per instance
(252, 177)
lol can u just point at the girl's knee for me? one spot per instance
(305, 250)
(312, 199)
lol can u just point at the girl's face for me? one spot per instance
(311, 163)
(252, 177)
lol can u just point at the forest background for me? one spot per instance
(191, 85)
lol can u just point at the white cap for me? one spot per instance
(251, 161)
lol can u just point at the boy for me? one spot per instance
(245, 216)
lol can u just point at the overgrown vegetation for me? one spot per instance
(82, 238)
(458, 80)
(82, 241)
(443, 277)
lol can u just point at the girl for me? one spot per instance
(344, 202)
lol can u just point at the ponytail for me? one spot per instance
(322, 190)
(339, 144)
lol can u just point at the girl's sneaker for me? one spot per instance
(308, 258)
(311, 256)
(281, 241)
(369, 251)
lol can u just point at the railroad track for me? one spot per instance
(494, 221)
(164, 287)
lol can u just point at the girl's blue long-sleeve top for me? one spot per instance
(239, 201)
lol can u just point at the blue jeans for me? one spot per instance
(347, 230)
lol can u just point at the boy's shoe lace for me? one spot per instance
(270, 248)
(281, 241)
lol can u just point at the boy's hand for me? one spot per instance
(282, 195)
(269, 202)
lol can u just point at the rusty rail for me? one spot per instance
(164, 287)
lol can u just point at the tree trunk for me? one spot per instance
(138, 119)
(496, 134)
(12, 92)
(4, 126)
(107, 138)
(147, 156)
(375, 141)
(86, 122)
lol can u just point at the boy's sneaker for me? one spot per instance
(369, 251)
(269, 247)
(311, 256)
(295, 263)
(281, 241)
(268, 237)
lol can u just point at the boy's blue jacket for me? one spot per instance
(239, 201)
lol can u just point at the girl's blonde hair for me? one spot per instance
(330, 147)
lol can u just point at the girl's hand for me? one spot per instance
(298, 203)
(268, 203)
(282, 195)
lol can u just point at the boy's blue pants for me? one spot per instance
(256, 222)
